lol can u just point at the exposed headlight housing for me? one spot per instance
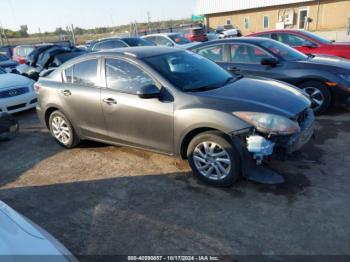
(345, 77)
(269, 123)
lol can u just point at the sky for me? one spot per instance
(50, 14)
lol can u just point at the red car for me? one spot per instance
(21, 52)
(307, 42)
(196, 34)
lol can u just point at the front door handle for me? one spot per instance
(234, 69)
(67, 93)
(110, 101)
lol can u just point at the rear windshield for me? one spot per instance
(179, 39)
(137, 42)
(198, 31)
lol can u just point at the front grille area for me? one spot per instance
(14, 92)
(10, 108)
(301, 118)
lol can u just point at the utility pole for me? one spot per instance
(73, 35)
(40, 36)
(149, 20)
(1, 40)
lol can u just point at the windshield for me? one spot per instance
(179, 39)
(317, 38)
(137, 42)
(3, 58)
(283, 51)
(188, 71)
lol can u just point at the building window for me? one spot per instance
(246, 22)
(266, 22)
(228, 21)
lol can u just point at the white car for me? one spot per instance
(170, 39)
(16, 93)
(20, 239)
(230, 33)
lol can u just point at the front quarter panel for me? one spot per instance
(189, 119)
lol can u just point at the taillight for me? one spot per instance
(37, 88)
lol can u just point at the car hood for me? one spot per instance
(329, 62)
(19, 236)
(13, 80)
(259, 95)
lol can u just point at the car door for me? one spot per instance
(146, 123)
(80, 96)
(245, 59)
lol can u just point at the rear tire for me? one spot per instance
(213, 159)
(62, 130)
(320, 95)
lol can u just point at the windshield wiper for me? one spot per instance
(210, 87)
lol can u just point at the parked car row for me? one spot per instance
(325, 79)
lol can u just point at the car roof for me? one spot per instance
(163, 34)
(139, 52)
(253, 40)
(279, 31)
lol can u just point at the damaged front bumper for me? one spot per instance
(255, 147)
(291, 144)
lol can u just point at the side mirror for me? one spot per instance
(269, 61)
(148, 92)
(169, 44)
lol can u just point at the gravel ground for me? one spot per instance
(104, 200)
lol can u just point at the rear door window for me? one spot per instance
(247, 54)
(214, 53)
(83, 73)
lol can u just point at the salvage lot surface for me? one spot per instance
(105, 200)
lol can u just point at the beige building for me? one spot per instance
(260, 15)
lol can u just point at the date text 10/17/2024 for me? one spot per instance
(173, 258)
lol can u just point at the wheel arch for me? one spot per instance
(191, 134)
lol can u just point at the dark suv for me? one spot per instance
(174, 102)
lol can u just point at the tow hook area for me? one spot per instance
(252, 155)
(260, 147)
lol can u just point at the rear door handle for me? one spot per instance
(67, 93)
(110, 101)
(234, 69)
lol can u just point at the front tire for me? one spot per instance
(62, 130)
(320, 95)
(214, 159)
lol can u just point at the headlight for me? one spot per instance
(345, 77)
(269, 123)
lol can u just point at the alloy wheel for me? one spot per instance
(316, 96)
(61, 130)
(212, 161)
